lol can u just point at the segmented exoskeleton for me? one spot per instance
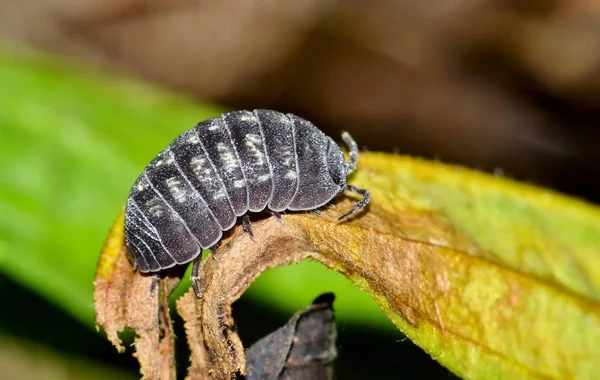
(210, 175)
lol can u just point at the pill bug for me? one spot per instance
(210, 175)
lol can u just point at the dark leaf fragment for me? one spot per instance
(301, 349)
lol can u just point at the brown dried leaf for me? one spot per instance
(215, 346)
(241, 258)
(126, 299)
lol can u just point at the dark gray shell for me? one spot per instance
(224, 167)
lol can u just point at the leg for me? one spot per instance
(316, 211)
(358, 206)
(277, 215)
(247, 225)
(352, 152)
(154, 284)
(196, 276)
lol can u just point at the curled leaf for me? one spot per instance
(215, 346)
(126, 299)
(491, 278)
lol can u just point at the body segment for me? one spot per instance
(278, 131)
(315, 185)
(247, 137)
(216, 138)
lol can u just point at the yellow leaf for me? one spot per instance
(494, 279)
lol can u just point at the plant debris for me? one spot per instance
(302, 349)
(126, 299)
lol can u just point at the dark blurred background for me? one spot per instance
(510, 87)
(497, 85)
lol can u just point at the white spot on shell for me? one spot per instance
(200, 166)
(176, 189)
(155, 207)
(239, 183)
(142, 184)
(193, 139)
(247, 116)
(228, 157)
(264, 177)
(290, 174)
(283, 117)
(287, 156)
(220, 194)
(253, 141)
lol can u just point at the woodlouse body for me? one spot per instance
(224, 167)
